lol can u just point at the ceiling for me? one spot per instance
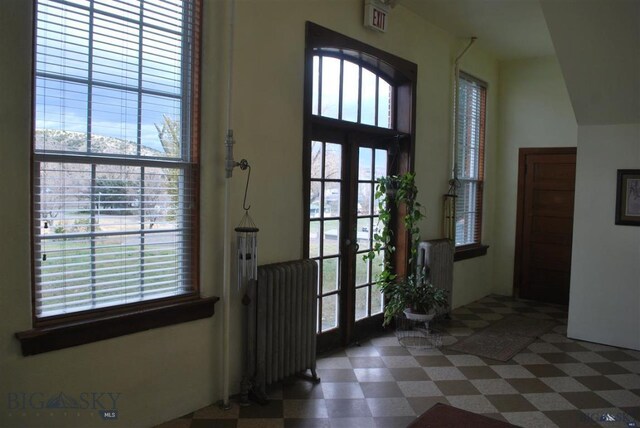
(509, 29)
(598, 47)
(597, 43)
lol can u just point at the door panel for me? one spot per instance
(551, 229)
(372, 164)
(549, 255)
(343, 218)
(545, 224)
(325, 228)
(563, 172)
(552, 203)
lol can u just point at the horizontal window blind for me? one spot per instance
(470, 124)
(115, 175)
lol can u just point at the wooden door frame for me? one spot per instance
(352, 330)
(522, 163)
(402, 75)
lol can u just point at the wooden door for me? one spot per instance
(546, 186)
(341, 221)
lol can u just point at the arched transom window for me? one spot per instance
(347, 91)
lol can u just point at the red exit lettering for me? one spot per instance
(378, 18)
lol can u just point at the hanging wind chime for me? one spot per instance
(247, 260)
(246, 241)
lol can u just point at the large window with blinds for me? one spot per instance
(115, 154)
(470, 130)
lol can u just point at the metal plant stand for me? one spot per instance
(417, 334)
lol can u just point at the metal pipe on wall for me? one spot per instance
(229, 165)
(449, 201)
(456, 99)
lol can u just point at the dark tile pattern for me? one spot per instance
(529, 386)
(510, 403)
(554, 382)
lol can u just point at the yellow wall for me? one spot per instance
(167, 372)
(535, 111)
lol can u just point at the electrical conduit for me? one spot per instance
(229, 165)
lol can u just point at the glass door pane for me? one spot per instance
(325, 225)
(343, 218)
(372, 164)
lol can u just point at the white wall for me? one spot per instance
(166, 372)
(605, 273)
(535, 111)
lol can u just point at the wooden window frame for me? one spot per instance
(62, 331)
(477, 248)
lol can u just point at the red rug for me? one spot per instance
(445, 416)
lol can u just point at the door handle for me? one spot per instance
(348, 242)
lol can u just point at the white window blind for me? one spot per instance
(470, 123)
(114, 169)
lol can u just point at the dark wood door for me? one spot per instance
(546, 186)
(342, 219)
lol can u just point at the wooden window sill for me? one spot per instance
(44, 339)
(469, 252)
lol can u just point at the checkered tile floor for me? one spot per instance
(555, 382)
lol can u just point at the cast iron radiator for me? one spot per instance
(436, 256)
(281, 325)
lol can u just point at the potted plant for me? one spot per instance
(419, 297)
(412, 295)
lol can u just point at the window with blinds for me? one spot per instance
(470, 127)
(114, 155)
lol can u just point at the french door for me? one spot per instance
(342, 220)
(359, 116)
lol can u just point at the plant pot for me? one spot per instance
(416, 316)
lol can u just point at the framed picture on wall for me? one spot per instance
(628, 197)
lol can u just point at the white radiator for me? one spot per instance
(436, 256)
(281, 330)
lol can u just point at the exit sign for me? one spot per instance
(376, 15)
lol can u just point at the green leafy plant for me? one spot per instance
(412, 291)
